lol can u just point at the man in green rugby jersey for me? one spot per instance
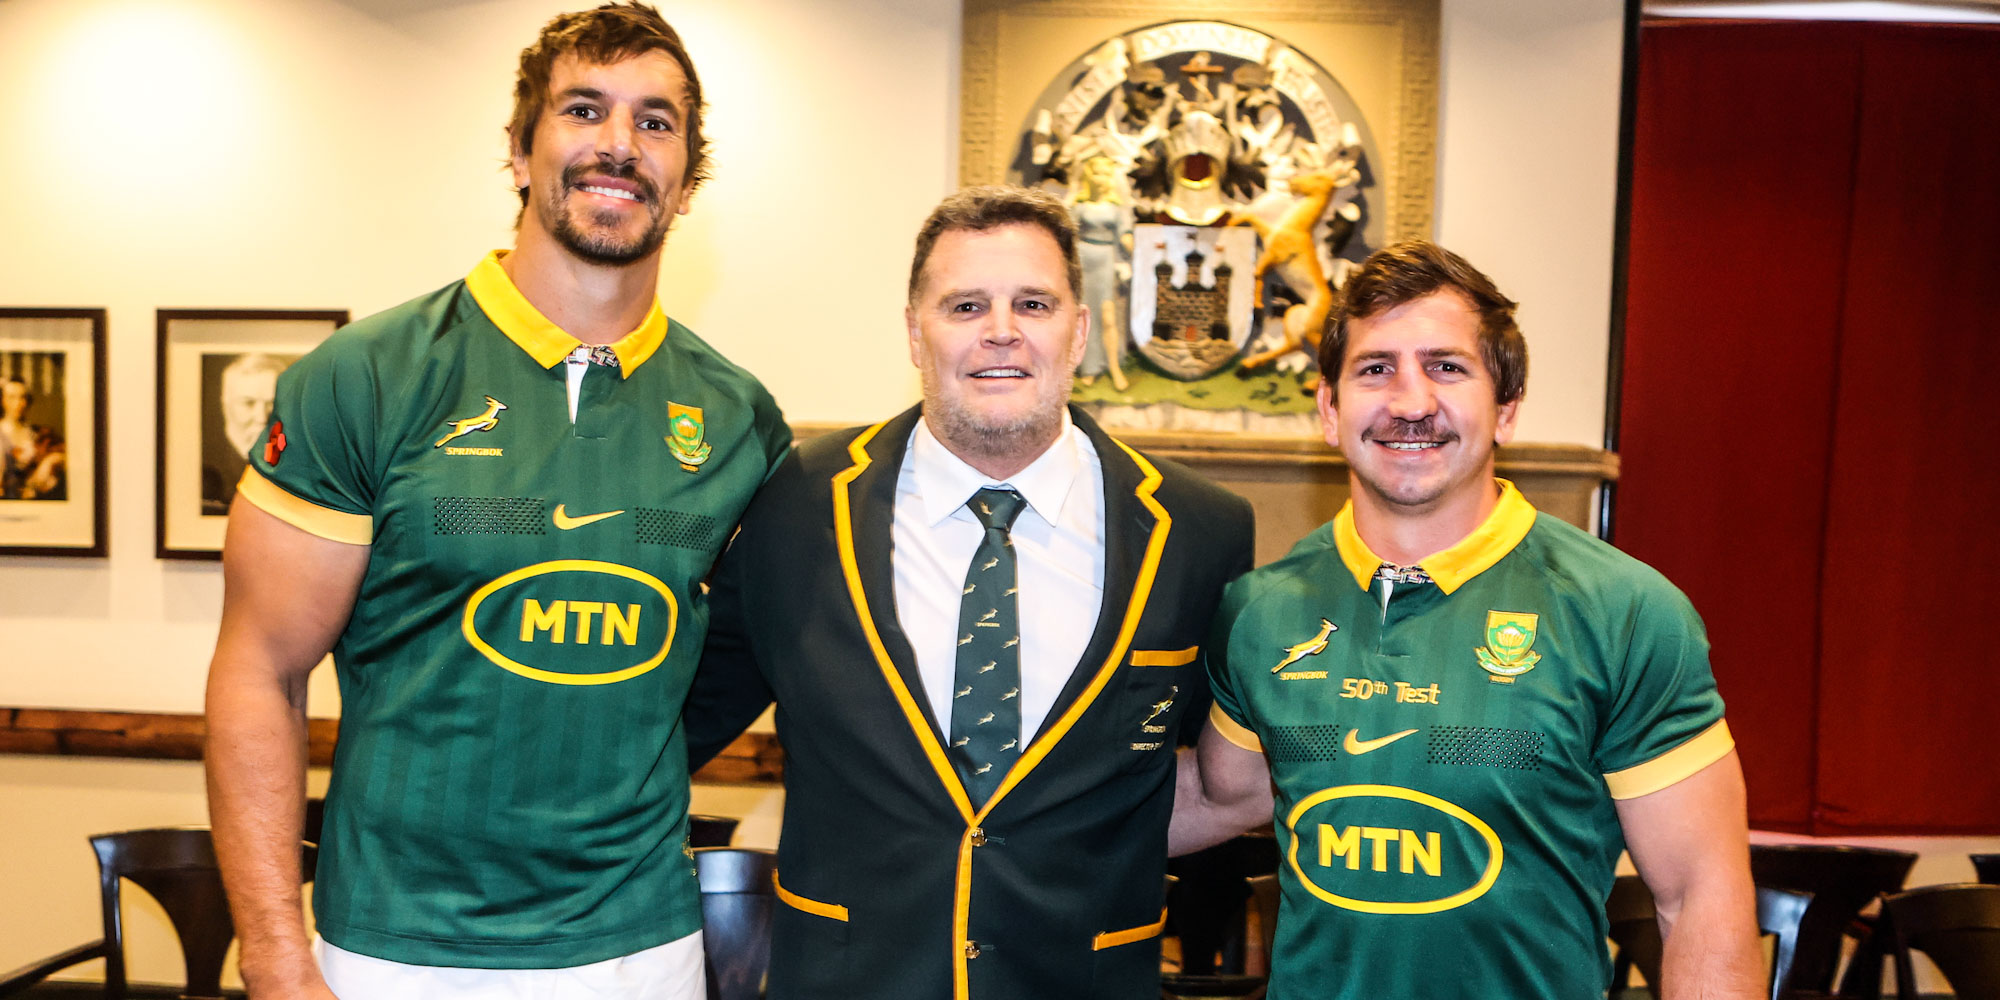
(1467, 708)
(494, 505)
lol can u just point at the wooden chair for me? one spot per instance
(1843, 880)
(710, 831)
(1988, 868)
(176, 867)
(737, 891)
(1958, 926)
(1635, 930)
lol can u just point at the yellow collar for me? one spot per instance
(1450, 569)
(544, 341)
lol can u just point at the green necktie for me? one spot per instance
(986, 700)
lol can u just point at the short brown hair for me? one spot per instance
(607, 34)
(978, 209)
(1407, 271)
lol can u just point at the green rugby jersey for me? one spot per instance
(1446, 753)
(510, 787)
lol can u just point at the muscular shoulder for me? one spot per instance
(1601, 583)
(1312, 565)
(699, 358)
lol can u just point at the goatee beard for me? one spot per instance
(600, 247)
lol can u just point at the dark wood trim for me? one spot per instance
(100, 474)
(162, 318)
(754, 759)
(1206, 450)
(1621, 243)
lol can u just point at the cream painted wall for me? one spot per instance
(326, 154)
(1528, 184)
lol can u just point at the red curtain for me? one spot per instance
(1808, 342)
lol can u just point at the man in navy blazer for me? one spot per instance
(920, 858)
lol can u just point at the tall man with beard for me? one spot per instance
(494, 505)
(1468, 708)
(981, 621)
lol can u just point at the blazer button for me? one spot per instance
(971, 949)
(978, 839)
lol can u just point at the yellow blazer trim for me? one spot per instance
(1142, 589)
(792, 899)
(843, 529)
(1707, 747)
(1164, 657)
(1232, 730)
(544, 341)
(1112, 939)
(1472, 555)
(335, 525)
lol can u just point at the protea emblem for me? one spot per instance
(1510, 640)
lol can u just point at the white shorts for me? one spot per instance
(672, 971)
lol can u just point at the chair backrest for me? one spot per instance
(1635, 929)
(737, 892)
(1988, 868)
(177, 867)
(710, 831)
(1780, 913)
(1958, 926)
(1264, 896)
(1842, 880)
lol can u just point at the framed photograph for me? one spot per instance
(52, 469)
(218, 374)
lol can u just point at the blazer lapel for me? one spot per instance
(864, 510)
(873, 508)
(1128, 527)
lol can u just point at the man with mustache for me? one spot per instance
(1467, 708)
(495, 505)
(980, 620)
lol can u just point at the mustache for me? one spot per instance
(1407, 430)
(574, 175)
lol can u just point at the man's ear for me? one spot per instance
(916, 336)
(1329, 414)
(1082, 337)
(1503, 428)
(517, 160)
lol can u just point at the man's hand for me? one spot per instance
(286, 596)
(1691, 845)
(1220, 790)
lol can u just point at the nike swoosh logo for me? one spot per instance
(1356, 746)
(566, 522)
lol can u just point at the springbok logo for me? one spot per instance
(485, 421)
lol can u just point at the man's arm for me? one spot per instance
(1691, 845)
(286, 596)
(1220, 790)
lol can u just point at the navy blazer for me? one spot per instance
(892, 884)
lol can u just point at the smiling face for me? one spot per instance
(997, 333)
(1417, 416)
(608, 165)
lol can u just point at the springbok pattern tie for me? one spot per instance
(986, 698)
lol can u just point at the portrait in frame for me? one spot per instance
(218, 374)
(52, 432)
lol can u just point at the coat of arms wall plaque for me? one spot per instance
(1224, 178)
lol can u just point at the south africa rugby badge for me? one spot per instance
(684, 436)
(1509, 650)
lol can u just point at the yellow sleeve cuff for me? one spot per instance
(1707, 747)
(1233, 731)
(334, 525)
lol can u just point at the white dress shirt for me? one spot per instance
(1059, 556)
